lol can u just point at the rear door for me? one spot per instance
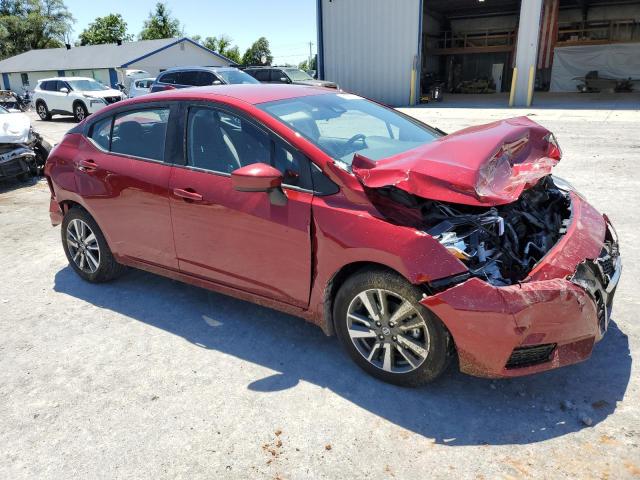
(123, 179)
(240, 239)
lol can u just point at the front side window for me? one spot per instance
(278, 76)
(344, 124)
(298, 75)
(141, 133)
(222, 142)
(86, 85)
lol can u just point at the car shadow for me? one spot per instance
(456, 410)
(10, 184)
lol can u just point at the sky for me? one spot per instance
(289, 25)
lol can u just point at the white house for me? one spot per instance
(106, 63)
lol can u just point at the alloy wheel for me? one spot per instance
(388, 331)
(83, 246)
(80, 113)
(42, 111)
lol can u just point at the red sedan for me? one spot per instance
(412, 246)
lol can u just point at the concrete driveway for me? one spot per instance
(145, 377)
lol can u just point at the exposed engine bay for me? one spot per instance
(23, 152)
(500, 244)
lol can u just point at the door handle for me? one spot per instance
(187, 194)
(87, 165)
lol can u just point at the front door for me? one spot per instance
(123, 180)
(240, 239)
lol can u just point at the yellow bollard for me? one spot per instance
(532, 73)
(514, 79)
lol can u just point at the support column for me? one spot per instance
(527, 51)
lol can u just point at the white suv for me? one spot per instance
(75, 96)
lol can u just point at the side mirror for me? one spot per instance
(260, 177)
(64, 90)
(284, 79)
(216, 82)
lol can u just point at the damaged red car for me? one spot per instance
(414, 247)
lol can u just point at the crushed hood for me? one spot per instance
(483, 165)
(14, 128)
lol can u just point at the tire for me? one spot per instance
(43, 110)
(80, 111)
(416, 355)
(92, 260)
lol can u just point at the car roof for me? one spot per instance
(64, 79)
(205, 69)
(249, 93)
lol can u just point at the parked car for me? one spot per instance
(77, 96)
(184, 77)
(286, 75)
(411, 245)
(140, 87)
(22, 151)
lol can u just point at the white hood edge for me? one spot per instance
(14, 128)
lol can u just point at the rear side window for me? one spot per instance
(100, 133)
(188, 78)
(171, 78)
(261, 75)
(141, 133)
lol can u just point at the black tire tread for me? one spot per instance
(440, 353)
(109, 268)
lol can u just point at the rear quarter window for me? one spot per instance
(100, 133)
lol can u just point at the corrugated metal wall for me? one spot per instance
(369, 46)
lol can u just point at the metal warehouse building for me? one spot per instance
(395, 50)
(106, 63)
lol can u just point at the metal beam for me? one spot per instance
(527, 50)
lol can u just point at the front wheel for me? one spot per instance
(387, 332)
(86, 248)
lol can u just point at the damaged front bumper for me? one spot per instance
(550, 320)
(17, 161)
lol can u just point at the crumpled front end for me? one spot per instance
(16, 160)
(552, 318)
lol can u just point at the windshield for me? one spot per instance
(86, 85)
(342, 124)
(298, 75)
(236, 76)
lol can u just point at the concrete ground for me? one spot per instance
(149, 378)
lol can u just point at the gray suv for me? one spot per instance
(183, 77)
(286, 75)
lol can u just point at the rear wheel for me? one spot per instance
(387, 332)
(80, 111)
(43, 111)
(86, 248)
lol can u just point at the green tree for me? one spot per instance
(160, 24)
(107, 29)
(29, 24)
(222, 45)
(233, 54)
(256, 52)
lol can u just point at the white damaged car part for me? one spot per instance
(22, 151)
